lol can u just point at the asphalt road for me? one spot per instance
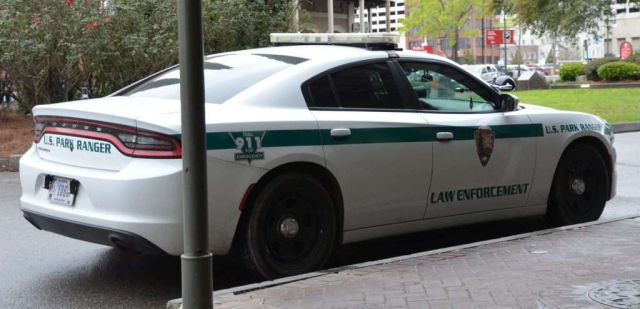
(42, 270)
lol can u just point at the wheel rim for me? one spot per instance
(292, 230)
(581, 186)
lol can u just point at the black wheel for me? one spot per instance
(291, 228)
(580, 187)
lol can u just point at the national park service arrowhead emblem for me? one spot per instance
(485, 139)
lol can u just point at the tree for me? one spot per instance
(467, 58)
(556, 19)
(442, 19)
(53, 48)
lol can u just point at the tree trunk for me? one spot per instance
(454, 47)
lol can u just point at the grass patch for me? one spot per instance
(614, 105)
(16, 133)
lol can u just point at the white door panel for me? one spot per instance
(383, 166)
(461, 184)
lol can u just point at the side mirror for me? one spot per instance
(506, 87)
(426, 78)
(508, 102)
(504, 83)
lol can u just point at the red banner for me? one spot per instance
(425, 48)
(626, 50)
(497, 37)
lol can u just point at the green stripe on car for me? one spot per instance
(292, 138)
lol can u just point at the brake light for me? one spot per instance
(128, 140)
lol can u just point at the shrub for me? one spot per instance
(591, 68)
(569, 71)
(619, 70)
(634, 59)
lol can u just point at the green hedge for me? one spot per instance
(635, 58)
(591, 68)
(615, 71)
(569, 71)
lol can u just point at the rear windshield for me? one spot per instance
(224, 76)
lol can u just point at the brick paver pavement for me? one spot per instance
(555, 270)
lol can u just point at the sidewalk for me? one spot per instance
(559, 268)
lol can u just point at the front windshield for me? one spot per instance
(224, 76)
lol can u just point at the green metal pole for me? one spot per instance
(197, 282)
(504, 27)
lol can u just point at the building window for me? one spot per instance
(375, 30)
(634, 10)
(393, 29)
(392, 13)
(478, 42)
(374, 22)
(382, 22)
(636, 43)
(400, 3)
(401, 12)
(374, 14)
(383, 14)
(621, 11)
(607, 46)
(393, 21)
(621, 1)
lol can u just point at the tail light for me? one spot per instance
(129, 141)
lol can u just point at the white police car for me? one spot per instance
(309, 147)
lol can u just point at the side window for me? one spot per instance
(367, 86)
(442, 88)
(484, 70)
(322, 94)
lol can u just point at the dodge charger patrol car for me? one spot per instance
(311, 144)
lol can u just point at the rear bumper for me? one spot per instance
(141, 201)
(123, 240)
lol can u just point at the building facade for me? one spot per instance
(473, 47)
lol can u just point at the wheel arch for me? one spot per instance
(602, 149)
(315, 170)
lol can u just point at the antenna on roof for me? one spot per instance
(371, 41)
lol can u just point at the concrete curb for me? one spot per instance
(595, 86)
(12, 162)
(626, 127)
(176, 303)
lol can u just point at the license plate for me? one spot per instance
(61, 192)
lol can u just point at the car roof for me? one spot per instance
(310, 52)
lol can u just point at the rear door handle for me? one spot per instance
(340, 133)
(444, 136)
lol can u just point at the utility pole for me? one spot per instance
(197, 282)
(504, 28)
(388, 16)
(483, 39)
(330, 13)
(362, 30)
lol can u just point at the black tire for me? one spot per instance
(270, 250)
(580, 187)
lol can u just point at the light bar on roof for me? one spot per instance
(335, 38)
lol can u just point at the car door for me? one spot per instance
(377, 148)
(483, 158)
(485, 75)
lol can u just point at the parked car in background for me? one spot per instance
(486, 72)
(542, 69)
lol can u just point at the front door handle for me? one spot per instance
(340, 133)
(444, 136)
